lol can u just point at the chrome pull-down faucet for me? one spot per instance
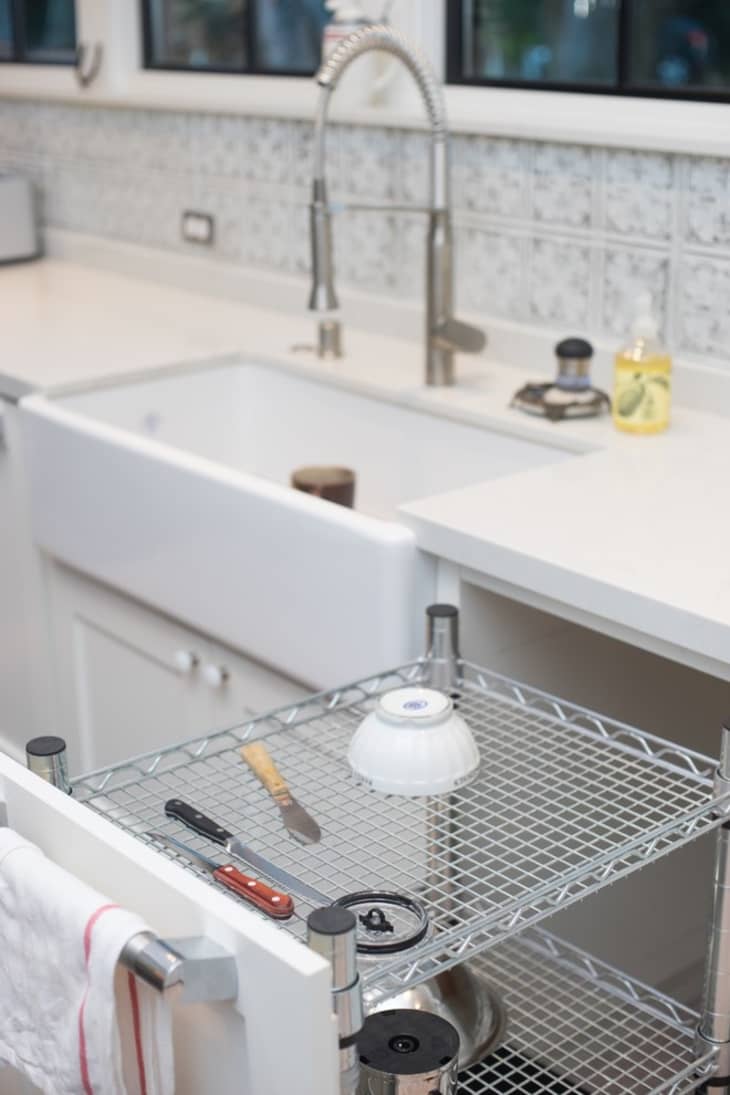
(445, 335)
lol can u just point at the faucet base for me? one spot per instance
(329, 338)
(440, 371)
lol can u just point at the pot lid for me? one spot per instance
(387, 922)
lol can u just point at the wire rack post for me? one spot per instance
(714, 1028)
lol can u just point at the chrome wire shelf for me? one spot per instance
(565, 802)
(577, 1026)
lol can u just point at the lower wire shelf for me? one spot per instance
(577, 1026)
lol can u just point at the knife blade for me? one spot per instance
(298, 822)
(205, 826)
(277, 905)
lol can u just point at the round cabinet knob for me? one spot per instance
(215, 675)
(185, 660)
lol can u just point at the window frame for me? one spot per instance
(20, 46)
(699, 128)
(454, 51)
(249, 40)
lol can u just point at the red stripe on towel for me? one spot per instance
(83, 1060)
(137, 1033)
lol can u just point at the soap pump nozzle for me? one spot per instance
(645, 323)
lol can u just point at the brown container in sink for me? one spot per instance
(327, 481)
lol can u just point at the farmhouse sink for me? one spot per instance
(175, 490)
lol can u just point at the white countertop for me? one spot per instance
(65, 324)
(630, 536)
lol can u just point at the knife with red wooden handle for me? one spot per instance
(280, 906)
(209, 828)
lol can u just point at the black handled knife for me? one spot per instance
(207, 827)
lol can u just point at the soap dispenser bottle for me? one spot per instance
(642, 387)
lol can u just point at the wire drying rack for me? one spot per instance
(577, 1026)
(564, 803)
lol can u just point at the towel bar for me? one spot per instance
(206, 971)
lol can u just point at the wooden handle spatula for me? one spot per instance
(297, 821)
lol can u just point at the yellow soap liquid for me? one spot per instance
(642, 392)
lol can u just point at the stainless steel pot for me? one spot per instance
(465, 1000)
(392, 923)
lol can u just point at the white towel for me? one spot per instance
(59, 1021)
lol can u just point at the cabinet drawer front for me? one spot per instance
(150, 634)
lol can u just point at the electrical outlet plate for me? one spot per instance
(198, 227)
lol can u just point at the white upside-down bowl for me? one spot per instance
(414, 743)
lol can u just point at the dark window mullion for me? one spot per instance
(146, 21)
(454, 41)
(623, 60)
(250, 39)
(19, 35)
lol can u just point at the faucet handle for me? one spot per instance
(454, 335)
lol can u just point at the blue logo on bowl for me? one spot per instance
(415, 705)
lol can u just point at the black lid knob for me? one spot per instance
(574, 347)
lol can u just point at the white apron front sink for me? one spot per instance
(175, 490)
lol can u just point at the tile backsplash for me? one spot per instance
(553, 235)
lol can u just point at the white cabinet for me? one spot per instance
(24, 691)
(128, 680)
(279, 1035)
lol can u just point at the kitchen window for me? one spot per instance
(281, 37)
(658, 48)
(38, 31)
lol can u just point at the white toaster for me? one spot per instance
(19, 238)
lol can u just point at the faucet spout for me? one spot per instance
(444, 334)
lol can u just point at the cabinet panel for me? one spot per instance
(24, 684)
(120, 683)
(238, 687)
(129, 680)
(279, 1036)
(128, 700)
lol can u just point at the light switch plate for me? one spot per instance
(198, 227)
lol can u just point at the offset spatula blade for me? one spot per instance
(298, 822)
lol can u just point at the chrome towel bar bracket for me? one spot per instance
(206, 971)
